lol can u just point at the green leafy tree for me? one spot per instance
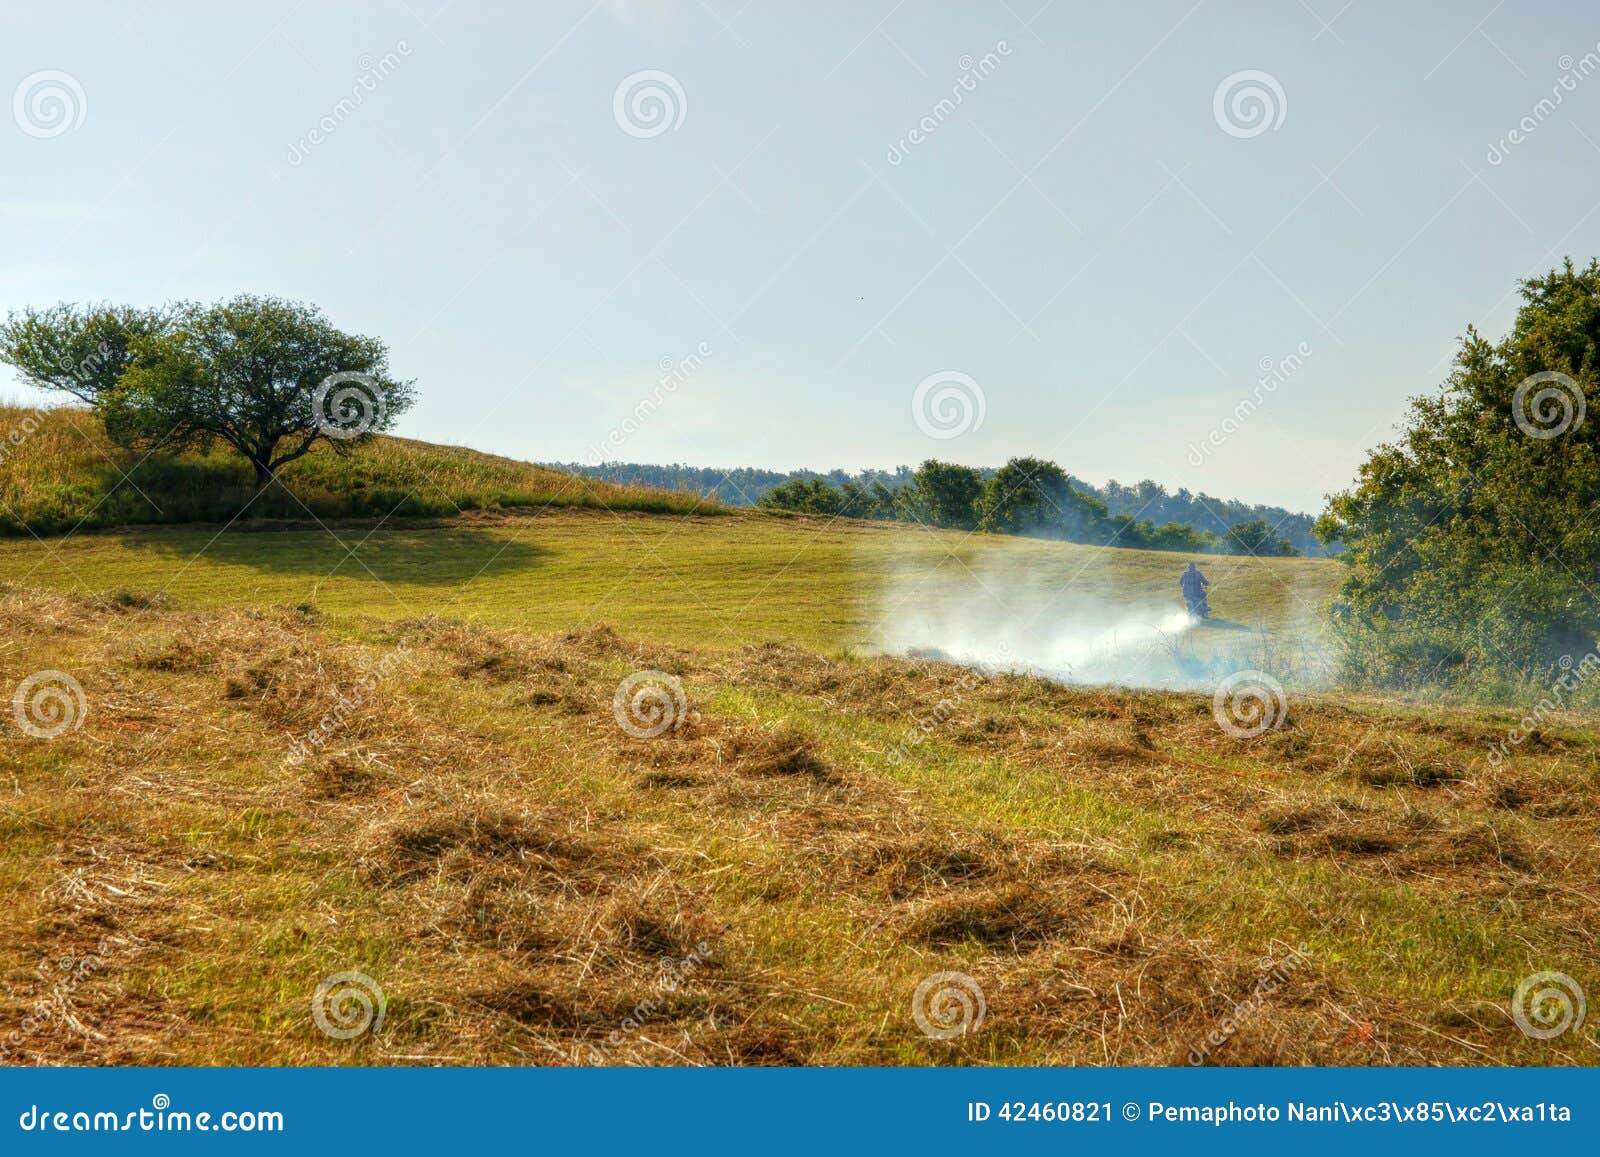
(871, 500)
(1257, 538)
(269, 377)
(1471, 540)
(1125, 530)
(1035, 497)
(78, 350)
(1179, 536)
(943, 494)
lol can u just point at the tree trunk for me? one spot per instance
(260, 456)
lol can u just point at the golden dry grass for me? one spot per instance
(481, 838)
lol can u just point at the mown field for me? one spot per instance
(481, 838)
(722, 580)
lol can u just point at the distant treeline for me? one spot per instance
(1026, 496)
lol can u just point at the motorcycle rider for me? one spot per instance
(1194, 584)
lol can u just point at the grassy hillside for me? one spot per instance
(693, 581)
(58, 473)
(478, 835)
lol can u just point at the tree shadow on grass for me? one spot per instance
(430, 556)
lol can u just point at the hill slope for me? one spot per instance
(58, 472)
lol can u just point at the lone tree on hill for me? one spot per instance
(269, 377)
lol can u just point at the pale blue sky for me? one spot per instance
(1081, 236)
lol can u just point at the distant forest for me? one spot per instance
(1147, 500)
